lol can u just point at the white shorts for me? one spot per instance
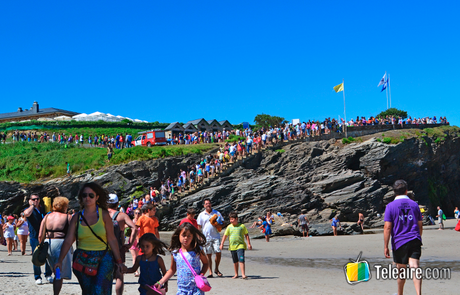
(212, 246)
(8, 235)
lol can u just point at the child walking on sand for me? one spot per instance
(151, 264)
(186, 242)
(266, 226)
(8, 233)
(236, 233)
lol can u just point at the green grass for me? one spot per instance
(349, 140)
(26, 162)
(235, 138)
(393, 140)
(280, 151)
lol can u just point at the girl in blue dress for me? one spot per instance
(151, 264)
(266, 225)
(190, 240)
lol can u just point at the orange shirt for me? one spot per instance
(147, 224)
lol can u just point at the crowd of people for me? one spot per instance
(303, 129)
(104, 231)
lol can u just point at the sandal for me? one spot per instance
(218, 273)
(210, 276)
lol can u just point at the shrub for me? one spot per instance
(379, 140)
(387, 139)
(235, 138)
(345, 141)
(280, 151)
(394, 140)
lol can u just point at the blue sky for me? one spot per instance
(181, 60)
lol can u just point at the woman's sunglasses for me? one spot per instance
(91, 195)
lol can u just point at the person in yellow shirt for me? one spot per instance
(237, 232)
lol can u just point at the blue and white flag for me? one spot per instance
(382, 81)
(385, 84)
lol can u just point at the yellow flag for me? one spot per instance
(338, 88)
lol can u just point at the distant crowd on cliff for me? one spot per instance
(283, 132)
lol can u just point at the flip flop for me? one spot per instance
(210, 276)
(218, 273)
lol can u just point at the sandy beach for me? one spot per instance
(286, 265)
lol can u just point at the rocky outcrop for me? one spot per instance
(321, 179)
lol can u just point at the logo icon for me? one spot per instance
(357, 271)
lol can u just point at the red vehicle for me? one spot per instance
(150, 138)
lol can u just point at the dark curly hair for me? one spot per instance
(101, 192)
(158, 246)
(199, 240)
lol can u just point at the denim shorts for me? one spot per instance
(238, 256)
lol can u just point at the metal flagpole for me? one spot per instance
(386, 89)
(344, 107)
(389, 88)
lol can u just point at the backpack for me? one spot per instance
(116, 229)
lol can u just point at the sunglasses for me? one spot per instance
(35, 199)
(85, 195)
(137, 212)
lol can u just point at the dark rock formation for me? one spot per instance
(318, 178)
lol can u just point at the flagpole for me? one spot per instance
(344, 107)
(389, 86)
(386, 90)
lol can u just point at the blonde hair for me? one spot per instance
(60, 204)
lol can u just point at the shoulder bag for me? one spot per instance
(85, 262)
(201, 282)
(41, 251)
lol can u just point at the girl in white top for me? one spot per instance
(8, 233)
(23, 232)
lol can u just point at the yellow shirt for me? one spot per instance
(87, 240)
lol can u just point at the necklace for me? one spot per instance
(147, 258)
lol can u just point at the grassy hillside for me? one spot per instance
(26, 162)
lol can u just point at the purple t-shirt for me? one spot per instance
(405, 215)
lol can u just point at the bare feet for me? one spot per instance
(235, 277)
(244, 277)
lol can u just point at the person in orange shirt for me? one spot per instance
(148, 223)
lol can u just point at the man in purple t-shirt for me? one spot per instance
(403, 221)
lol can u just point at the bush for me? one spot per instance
(387, 140)
(235, 138)
(280, 151)
(395, 140)
(393, 112)
(378, 140)
(348, 140)
(48, 125)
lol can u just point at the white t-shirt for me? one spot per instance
(24, 228)
(209, 231)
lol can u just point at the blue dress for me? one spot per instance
(268, 228)
(150, 273)
(185, 280)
